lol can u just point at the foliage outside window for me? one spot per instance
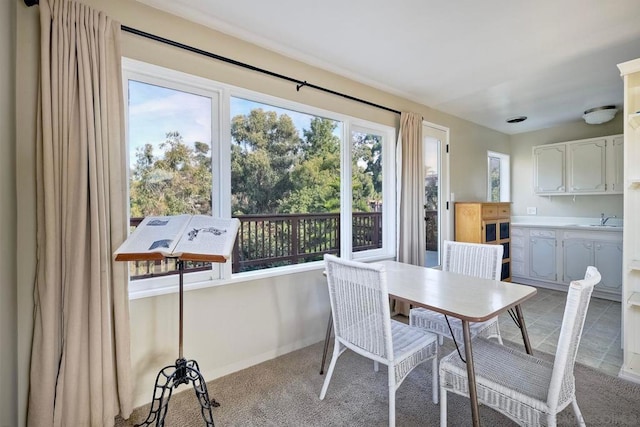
(498, 177)
(286, 168)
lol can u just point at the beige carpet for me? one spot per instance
(284, 392)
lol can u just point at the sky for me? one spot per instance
(156, 110)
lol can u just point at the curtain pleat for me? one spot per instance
(80, 363)
(411, 175)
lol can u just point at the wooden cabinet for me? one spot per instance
(486, 222)
(587, 166)
(630, 72)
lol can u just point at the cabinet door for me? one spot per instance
(503, 230)
(608, 261)
(615, 164)
(517, 252)
(548, 169)
(587, 166)
(490, 231)
(542, 258)
(577, 256)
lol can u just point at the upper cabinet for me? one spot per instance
(587, 166)
(549, 169)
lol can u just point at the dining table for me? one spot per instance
(470, 299)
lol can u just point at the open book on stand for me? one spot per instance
(186, 237)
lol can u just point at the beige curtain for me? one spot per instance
(411, 226)
(80, 358)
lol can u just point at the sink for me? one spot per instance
(598, 225)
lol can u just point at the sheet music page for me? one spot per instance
(208, 236)
(155, 237)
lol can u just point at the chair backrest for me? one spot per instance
(360, 305)
(473, 259)
(562, 385)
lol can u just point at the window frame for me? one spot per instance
(221, 185)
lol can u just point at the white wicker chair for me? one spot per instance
(362, 323)
(528, 390)
(471, 259)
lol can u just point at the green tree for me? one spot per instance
(265, 147)
(176, 182)
(316, 178)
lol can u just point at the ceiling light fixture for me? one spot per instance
(598, 115)
(516, 119)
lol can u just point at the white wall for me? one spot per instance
(228, 327)
(522, 173)
(8, 323)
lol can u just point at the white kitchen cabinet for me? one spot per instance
(577, 256)
(607, 257)
(586, 171)
(549, 163)
(519, 241)
(542, 255)
(587, 166)
(553, 256)
(604, 253)
(615, 164)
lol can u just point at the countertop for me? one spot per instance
(573, 223)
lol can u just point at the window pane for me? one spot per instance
(285, 184)
(169, 161)
(169, 151)
(366, 191)
(494, 178)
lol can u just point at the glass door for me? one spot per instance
(436, 203)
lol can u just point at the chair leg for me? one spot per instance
(498, 336)
(392, 397)
(434, 380)
(551, 420)
(440, 340)
(576, 411)
(332, 365)
(443, 407)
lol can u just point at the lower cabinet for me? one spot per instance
(605, 255)
(542, 255)
(553, 257)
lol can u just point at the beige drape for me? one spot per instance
(411, 226)
(80, 359)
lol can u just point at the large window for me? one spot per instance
(302, 181)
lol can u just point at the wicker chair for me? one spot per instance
(528, 390)
(471, 259)
(362, 323)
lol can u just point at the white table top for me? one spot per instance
(464, 297)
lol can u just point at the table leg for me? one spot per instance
(471, 374)
(523, 330)
(326, 342)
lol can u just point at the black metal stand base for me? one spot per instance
(170, 377)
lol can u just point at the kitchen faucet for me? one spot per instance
(604, 220)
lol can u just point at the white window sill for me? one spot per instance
(147, 291)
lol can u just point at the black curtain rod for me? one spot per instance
(299, 83)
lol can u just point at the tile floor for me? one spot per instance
(600, 345)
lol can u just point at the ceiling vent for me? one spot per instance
(598, 115)
(516, 119)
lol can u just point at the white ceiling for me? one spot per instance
(484, 61)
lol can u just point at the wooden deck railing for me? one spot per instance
(266, 241)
